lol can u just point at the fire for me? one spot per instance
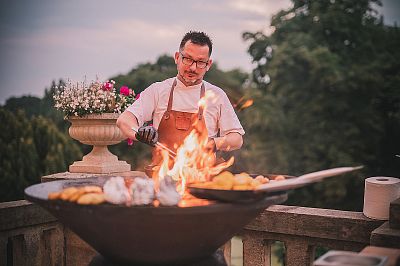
(194, 161)
(247, 104)
(243, 104)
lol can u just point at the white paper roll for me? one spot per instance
(379, 192)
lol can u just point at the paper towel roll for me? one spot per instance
(379, 192)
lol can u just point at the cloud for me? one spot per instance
(59, 40)
(260, 7)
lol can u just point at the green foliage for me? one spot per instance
(18, 153)
(31, 105)
(326, 96)
(56, 150)
(30, 148)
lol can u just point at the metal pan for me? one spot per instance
(238, 196)
(245, 196)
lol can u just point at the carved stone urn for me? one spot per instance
(98, 130)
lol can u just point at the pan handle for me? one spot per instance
(317, 176)
(306, 179)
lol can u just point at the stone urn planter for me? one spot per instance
(98, 130)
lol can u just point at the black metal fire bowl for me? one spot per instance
(148, 234)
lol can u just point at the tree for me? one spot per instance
(30, 104)
(326, 97)
(35, 106)
(30, 148)
(18, 164)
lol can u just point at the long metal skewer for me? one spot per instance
(171, 153)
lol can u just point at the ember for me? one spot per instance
(243, 104)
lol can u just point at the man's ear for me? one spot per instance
(176, 57)
(209, 64)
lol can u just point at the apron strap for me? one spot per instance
(202, 93)
(171, 98)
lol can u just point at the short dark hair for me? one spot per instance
(197, 37)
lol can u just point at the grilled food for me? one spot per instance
(81, 195)
(228, 181)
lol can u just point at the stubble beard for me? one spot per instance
(190, 81)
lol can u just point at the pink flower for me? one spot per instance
(107, 86)
(130, 142)
(137, 96)
(124, 90)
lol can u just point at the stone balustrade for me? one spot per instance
(29, 235)
(302, 230)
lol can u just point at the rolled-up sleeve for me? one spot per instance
(228, 120)
(143, 108)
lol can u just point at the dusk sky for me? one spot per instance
(45, 40)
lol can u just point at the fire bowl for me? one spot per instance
(148, 234)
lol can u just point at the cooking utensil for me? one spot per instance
(245, 196)
(138, 235)
(228, 195)
(171, 153)
(304, 179)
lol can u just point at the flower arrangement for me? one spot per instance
(82, 98)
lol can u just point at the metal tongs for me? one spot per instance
(171, 153)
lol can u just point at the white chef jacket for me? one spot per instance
(219, 115)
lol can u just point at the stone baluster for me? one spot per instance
(256, 250)
(32, 248)
(299, 253)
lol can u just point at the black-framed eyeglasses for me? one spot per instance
(189, 61)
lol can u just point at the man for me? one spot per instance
(173, 106)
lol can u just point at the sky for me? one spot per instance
(45, 40)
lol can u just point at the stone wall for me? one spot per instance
(29, 235)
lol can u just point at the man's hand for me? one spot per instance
(211, 145)
(147, 134)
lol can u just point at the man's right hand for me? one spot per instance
(147, 134)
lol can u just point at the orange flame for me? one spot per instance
(247, 104)
(194, 161)
(241, 104)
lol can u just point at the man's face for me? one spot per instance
(192, 74)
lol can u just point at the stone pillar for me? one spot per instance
(52, 247)
(32, 247)
(299, 253)
(256, 250)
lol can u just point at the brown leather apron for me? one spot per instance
(175, 126)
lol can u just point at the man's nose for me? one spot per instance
(193, 66)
